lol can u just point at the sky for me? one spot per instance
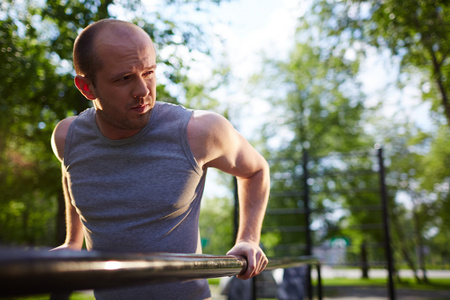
(251, 26)
(252, 30)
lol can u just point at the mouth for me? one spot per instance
(141, 109)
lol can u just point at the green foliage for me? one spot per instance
(216, 225)
(37, 91)
(28, 172)
(323, 107)
(418, 185)
(321, 113)
(416, 31)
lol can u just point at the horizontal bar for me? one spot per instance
(41, 271)
(284, 229)
(33, 272)
(285, 211)
(290, 262)
(286, 194)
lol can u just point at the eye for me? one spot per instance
(122, 78)
(148, 73)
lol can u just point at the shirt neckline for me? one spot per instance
(130, 139)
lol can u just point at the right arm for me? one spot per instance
(74, 227)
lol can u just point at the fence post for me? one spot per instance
(387, 236)
(307, 220)
(319, 282)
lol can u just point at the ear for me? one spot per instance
(85, 86)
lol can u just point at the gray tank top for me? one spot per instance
(139, 194)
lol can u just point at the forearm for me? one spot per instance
(74, 227)
(253, 195)
(74, 230)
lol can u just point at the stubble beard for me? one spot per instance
(131, 124)
(123, 122)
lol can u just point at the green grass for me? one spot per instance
(73, 296)
(214, 281)
(434, 284)
(79, 296)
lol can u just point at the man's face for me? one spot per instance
(125, 88)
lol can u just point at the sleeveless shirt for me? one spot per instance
(138, 194)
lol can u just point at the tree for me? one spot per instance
(435, 182)
(416, 31)
(318, 108)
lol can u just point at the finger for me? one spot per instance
(262, 263)
(256, 264)
(251, 266)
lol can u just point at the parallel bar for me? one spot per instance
(33, 272)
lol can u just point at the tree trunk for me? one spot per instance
(364, 261)
(421, 254)
(404, 251)
(438, 77)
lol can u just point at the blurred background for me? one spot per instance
(317, 86)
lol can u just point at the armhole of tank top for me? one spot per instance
(68, 142)
(186, 146)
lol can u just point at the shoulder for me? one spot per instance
(59, 137)
(210, 134)
(209, 127)
(206, 122)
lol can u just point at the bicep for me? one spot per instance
(231, 152)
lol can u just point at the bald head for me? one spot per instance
(104, 32)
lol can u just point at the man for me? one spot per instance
(134, 168)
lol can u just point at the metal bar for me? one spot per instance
(33, 272)
(254, 289)
(319, 282)
(285, 211)
(290, 262)
(25, 272)
(284, 229)
(286, 194)
(387, 236)
(307, 219)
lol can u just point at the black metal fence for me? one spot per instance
(306, 192)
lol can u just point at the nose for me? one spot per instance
(141, 88)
